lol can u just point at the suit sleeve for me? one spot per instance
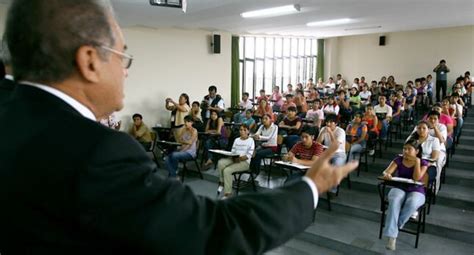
(122, 201)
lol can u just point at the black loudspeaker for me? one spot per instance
(382, 40)
(216, 44)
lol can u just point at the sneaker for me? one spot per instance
(391, 243)
(220, 189)
(414, 216)
(371, 152)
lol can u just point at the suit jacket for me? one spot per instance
(68, 185)
(6, 89)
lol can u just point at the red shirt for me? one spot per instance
(301, 152)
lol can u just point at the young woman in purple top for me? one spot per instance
(404, 201)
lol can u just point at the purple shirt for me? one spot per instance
(407, 172)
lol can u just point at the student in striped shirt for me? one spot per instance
(307, 151)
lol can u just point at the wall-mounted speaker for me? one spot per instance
(216, 44)
(382, 40)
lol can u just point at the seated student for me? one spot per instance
(457, 105)
(410, 101)
(316, 114)
(345, 109)
(396, 102)
(404, 201)
(371, 121)
(187, 136)
(330, 86)
(245, 103)
(267, 134)
(331, 106)
(430, 144)
(384, 114)
(354, 99)
(290, 126)
(264, 108)
(306, 151)
(288, 103)
(356, 137)
(439, 131)
(313, 94)
(300, 102)
(196, 115)
(429, 88)
(289, 90)
(277, 98)
(214, 126)
(180, 109)
(249, 121)
(331, 133)
(262, 96)
(140, 131)
(243, 146)
(365, 95)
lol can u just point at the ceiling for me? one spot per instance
(224, 15)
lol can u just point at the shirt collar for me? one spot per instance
(9, 77)
(82, 109)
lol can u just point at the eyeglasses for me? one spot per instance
(126, 58)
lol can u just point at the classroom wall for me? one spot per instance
(406, 55)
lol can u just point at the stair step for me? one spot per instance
(345, 233)
(300, 247)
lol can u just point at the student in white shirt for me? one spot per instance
(365, 95)
(267, 134)
(383, 109)
(331, 133)
(243, 146)
(316, 114)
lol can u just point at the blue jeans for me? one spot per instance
(384, 131)
(401, 205)
(173, 159)
(356, 148)
(257, 160)
(338, 159)
(291, 140)
(457, 130)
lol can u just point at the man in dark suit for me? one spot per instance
(6, 83)
(68, 185)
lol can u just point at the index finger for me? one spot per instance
(328, 153)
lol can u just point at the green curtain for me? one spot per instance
(235, 84)
(320, 61)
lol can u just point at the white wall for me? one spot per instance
(406, 55)
(169, 62)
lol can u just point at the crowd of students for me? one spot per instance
(304, 120)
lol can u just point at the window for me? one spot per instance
(266, 62)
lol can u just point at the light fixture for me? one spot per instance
(331, 22)
(270, 12)
(362, 28)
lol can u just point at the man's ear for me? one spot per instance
(89, 63)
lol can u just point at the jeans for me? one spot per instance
(355, 151)
(440, 86)
(384, 131)
(457, 130)
(257, 159)
(338, 159)
(173, 159)
(401, 205)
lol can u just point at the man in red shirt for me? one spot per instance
(307, 150)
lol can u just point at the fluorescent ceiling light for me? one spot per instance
(332, 22)
(362, 28)
(270, 12)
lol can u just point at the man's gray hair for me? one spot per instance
(44, 36)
